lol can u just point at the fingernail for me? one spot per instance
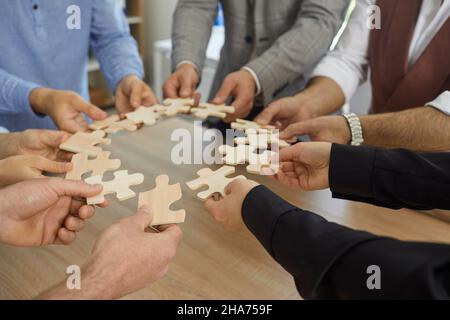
(144, 209)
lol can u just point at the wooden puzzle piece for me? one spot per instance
(245, 153)
(120, 185)
(172, 107)
(82, 142)
(159, 200)
(145, 115)
(206, 110)
(216, 181)
(261, 139)
(125, 124)
(99, 125)
(81, 165)
(263, 169)
(244, 125)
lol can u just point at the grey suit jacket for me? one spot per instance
(280, 40)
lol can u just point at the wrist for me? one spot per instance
(40, 100)
(355, 129)
(255, 80)
(324, 104)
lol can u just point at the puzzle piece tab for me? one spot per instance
(82, 142)
(147, 116)
(172, 107)
(81, 165)
(102, 124)
(244, 125)
(216, 181)
(120, 185)
(206, 110)
(159, 200)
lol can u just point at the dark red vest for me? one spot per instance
(395, 87)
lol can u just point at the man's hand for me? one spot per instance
(126, 258)
(66, 108)
(228, 210)
(43, 143)
(131, 93)
(286, 111)
(241, 87)
(305, 166)
(21, 168)
(182, 83)
(44, 211)
(329, 128)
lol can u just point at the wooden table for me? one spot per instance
(211, 263)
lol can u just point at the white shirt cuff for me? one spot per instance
(441, 103)
(3, 130)
(187, 62)
(255, 77)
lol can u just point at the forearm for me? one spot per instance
(323, 104)
(419, 129)
(191, 31)
(390, 178)
(14, 94)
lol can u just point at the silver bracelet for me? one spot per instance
(355, 128)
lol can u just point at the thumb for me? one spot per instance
(50, 166)
(174, 233)
(268, 114)
(74, 189)
(53, 138)
(136, 95)
(143, 218)
(296, 129)
(224, 92)
(90, 110)
(187, 88)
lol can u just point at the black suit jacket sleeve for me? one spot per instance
(330, 261)
(390, 178)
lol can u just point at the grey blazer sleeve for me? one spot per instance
(191, 30)
(299, 48)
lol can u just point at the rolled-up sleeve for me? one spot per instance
(441, 103)
(113, 44)
(14, 94)
(348, 63)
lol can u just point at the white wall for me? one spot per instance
(158, 26)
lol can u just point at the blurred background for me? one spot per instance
(151, 23)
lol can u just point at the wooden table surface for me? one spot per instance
(211, 263)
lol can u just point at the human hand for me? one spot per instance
(329, 129)
(44, 211)
(285, 111)
(241, 87)
(132, 93)
(21, 168)
(228, 210)
(127, 258)
(305, 166)
(66, 108)
(182, 83)
(43, 143)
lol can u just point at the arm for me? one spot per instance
(330, 261)
(390, 178)
(296, 50)
(15, 94)
(112, 43)
(191, 30)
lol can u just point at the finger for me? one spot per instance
(74, 224)
(136, 95)
(287, 167)
(224, 92)
(290, 154)
(75, 207)
(296, 129)
(53, 166)
(122, 103)
(53, 138)
(90, 110)
(197, 99)
(149, 98)
(213, 208)
(143, 218)
(86, 212)
(174, 233)
(65, 236)
(269, 114)
(64, 156)
(187, 88)
(170, 88)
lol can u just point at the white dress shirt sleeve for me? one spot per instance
(441, 103)
(348, 63)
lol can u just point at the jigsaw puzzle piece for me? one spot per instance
(98, 125)
(244, 125)
(159, 200)
(145, 115)
(82, 142)
(125, 124)
(206, 110)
